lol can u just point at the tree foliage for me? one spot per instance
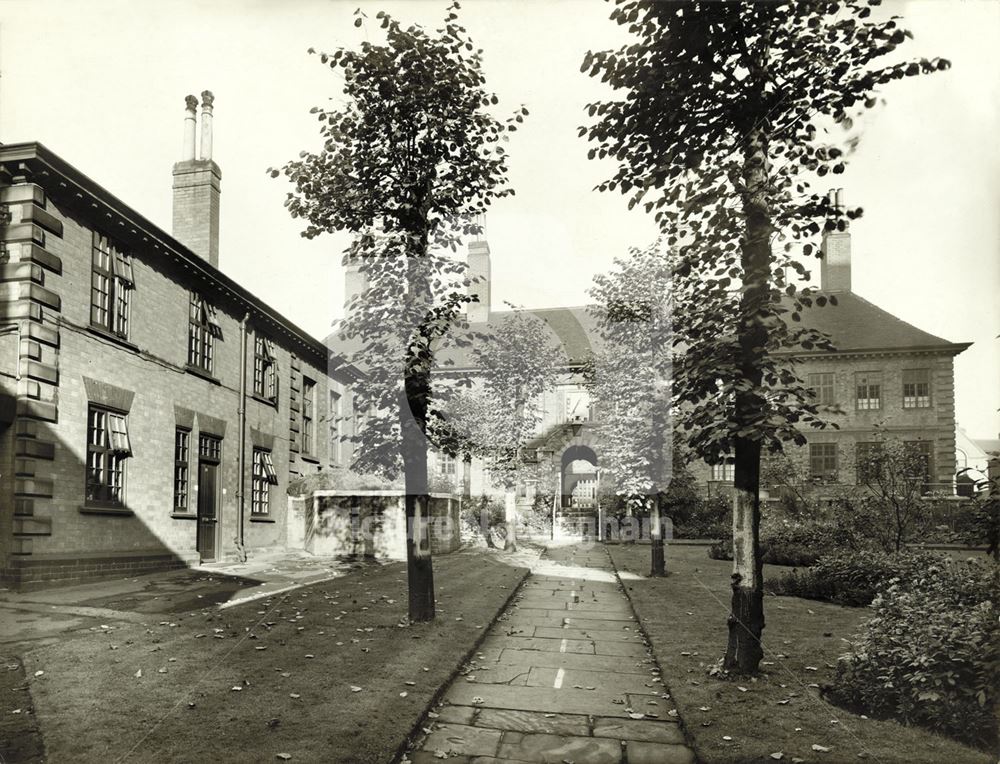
(411, 159)
(723, 117)
(629, 374)
(515, 366)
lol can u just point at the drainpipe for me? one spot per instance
(240, 492)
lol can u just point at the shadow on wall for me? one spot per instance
(61, 523)
(367, 523)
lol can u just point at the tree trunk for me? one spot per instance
(510, 518)
(419, 566)
(657, 561)
(746, 618)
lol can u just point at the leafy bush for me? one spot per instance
(702, 518)
(850, 578)
(931, 653)
(795, 543)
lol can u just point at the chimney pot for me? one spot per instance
(207, 100)
(190, 116)
(197, 185)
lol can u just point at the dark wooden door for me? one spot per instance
(207, 510)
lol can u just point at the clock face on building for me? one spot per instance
(577, 406)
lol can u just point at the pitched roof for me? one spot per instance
(854, 324)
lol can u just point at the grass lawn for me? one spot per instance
(685, 615)
(324, 674)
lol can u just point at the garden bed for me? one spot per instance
(782, 710)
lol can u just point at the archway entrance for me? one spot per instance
(578, 491)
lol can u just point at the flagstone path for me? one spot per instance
(564, 676)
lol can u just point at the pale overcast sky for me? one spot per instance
(102, 83)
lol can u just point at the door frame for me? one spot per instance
(217, 498)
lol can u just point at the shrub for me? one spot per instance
(931, 653)
(703, 518)
(795, 543)
(850, 578)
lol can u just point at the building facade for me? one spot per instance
(152, 411)
(884, 372)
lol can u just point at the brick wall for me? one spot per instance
(935, 424)
(47, 532)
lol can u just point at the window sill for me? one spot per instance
(199, 372)
(184, 515)
(265, 401)
(309, 458)
(104, 334)
(261, 519)
(89, 509)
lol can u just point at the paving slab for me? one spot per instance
(544, 699)
(534, 721)
(657, 753)
(635, 684)
(574, 632)
(639, 730)
(455, 714)
(630, 649)
(576, 660)
(532, 619)
(464, 740)
(498, 673)
(570, 629)
(558, 749)
(584, 646)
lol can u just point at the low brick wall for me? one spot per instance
(39, 572)
(367, 523)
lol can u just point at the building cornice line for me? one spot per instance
(52, 165)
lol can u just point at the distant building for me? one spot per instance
(884, 371)
(123, 355)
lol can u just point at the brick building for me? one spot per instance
(884, 371)
(152, 411)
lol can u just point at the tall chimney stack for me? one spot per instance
(355, 282)
(478, 274)
(835, 269)
(197, 185)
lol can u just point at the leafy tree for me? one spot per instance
(515, 366)
(722, 116)
(629, 378)
(411, 158)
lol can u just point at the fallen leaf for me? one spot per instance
(237, 687)
(138, 674)
(294, 695)
(355, 688)
(777, 755)
(820, 748)
(726, 737)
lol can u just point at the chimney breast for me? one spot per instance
(835, 269)
(479, 281)
(197, 185)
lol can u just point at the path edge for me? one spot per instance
(688, 737)
(422, 719)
